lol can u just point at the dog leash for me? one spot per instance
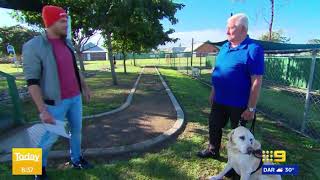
(256, 153)
(243, 122)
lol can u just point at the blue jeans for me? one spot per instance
(71, 109)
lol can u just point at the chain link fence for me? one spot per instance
(291, 86)
(290, 93)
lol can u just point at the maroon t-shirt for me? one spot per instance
(69, 86)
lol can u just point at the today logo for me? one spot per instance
(26, 161)
(27, 157)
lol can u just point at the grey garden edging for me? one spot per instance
(133, 147)
(137, 146)
(118, 109)
(123, 106)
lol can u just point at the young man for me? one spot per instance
(55, 83)
(236, 82)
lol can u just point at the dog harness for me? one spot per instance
(258, 154)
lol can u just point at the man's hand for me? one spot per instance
(87, 94)
(46, 117)
(247, 115)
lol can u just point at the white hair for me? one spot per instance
(240, 20)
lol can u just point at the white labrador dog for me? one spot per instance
(243, 156)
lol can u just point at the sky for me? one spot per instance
(206, 19)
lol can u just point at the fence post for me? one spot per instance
(307, 102)
(174, 60)
(13, 92)
(288, 69)
(192, 52)
(200, 63)
(187, 63)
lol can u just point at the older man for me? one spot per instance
(236, 82)
(55, 83)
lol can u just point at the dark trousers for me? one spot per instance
(218, 119)
(219, 116)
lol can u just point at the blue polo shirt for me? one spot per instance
(234, 67)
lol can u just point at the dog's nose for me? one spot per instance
(249, 150)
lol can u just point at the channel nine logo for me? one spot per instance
(277, 156)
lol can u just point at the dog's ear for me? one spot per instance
(230, 136)
(256, 145)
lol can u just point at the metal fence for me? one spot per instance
(290, 93)
(291, 86)
(10, 104)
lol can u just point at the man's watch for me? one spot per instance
(252, 109)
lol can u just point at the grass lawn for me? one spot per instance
(288, 107)
(10, 69)
(105, 96)
(178, 160)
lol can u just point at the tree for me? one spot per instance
(271, 20)
(138, 29)
(313, 41)
(277, 36)
(15, 36)
(105, 15)
(82, 15)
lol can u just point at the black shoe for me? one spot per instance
(207, 153)
(44, 175)
(82, 164)
(232, 174)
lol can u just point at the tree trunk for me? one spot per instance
(113, 73)
(124, 62)
(80, 59)
(271, 20)
(134, 59)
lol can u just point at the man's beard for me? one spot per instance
(63, 36)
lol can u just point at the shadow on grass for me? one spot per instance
(301, 150)
(176, 162)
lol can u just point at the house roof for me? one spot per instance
(90, 47)
(195, 47)
(177, 49)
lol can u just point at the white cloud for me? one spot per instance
(185, 37)
(213, 35)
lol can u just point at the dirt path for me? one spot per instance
(150, 114)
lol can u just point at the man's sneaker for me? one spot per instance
(207, 153)
(232, 174)
(44, 175)
(82, 164)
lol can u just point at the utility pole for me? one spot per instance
(191, 52)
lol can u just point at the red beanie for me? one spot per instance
(51, 14)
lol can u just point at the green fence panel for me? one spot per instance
(14, 94)
(290, 71)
